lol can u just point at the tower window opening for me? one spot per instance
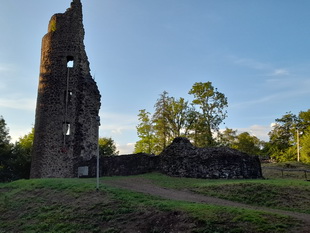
(70, 62)
(66, 128)
(68, 96)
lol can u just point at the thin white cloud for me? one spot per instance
(116, 129)
(17, 131)
(3, 86)
(125, 148)
(6, 68)
(281, 90)
(289, 84)
(280, 72)
(108, 116)
(258, 65)
(18, 103)
(260, 131)
(250, 63)
(116, 123)
(246, 104)
(273, 124)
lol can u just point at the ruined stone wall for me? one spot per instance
(182, 159)
(123, 165)
(68, 102)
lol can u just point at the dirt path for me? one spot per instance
(139, 184)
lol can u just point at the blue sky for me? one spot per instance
(255, 52)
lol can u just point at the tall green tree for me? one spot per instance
(304, 134)
(212, 105)
(282, 136)
(160, 120)
(303, 121)
(6, 169)
(180, 117)
(4, 133)
(22, 152)
(305, 146)
(248, 144)
(227, 138)
(177, 117)
(107, 147)
(172, 118)
(146, 133)
(288, 130)
(244, 142)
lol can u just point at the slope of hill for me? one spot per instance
(73, 205)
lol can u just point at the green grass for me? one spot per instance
(73, 205)
(286, 194)
(271, 170)
(212, 218)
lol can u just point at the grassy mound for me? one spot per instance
(73, 205)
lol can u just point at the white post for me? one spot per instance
(98, 121)
(298, 154)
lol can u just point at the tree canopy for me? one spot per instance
(107, 147)
(212, 105)
(174, 117)
(244, 142)
(6, 156)
(290, 134)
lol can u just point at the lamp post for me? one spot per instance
(97, 172)
(298, 152)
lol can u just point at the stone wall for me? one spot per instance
(129, 164)
(68, 102)
(182, 159)
(123, 165)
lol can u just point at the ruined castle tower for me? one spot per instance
(68, 102)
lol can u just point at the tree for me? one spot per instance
(283, 138)
(303, 121)
(304, 133)
(228, 137)
(22, 152)
(176, 116)
(4, 133)
(212, 112)
(145, 131)
(107, 147)
(248, 144)
(244, 142)
(305, 146)
(6, 170)
(172, 118)
(160, 120)
(180, 118)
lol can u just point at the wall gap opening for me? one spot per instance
(70, 62)
(66, 127)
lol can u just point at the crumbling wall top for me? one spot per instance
(64, 21)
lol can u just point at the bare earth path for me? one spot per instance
(139, 184)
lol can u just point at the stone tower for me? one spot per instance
(68, 102)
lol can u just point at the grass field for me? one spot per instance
(73, 205)
(287, 170)
(286, 194)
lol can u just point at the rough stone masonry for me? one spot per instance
(182, 159)
(68, 102)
